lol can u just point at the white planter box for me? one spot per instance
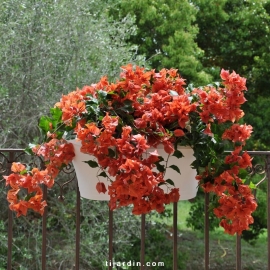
(87, 176)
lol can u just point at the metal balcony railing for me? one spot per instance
(7, 156)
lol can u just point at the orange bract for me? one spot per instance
(101, 187)
(17, 167)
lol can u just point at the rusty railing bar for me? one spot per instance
(44, 230)
(142, 241)
(110, 240)
(238, 252)
(259, 153)
(44, 227)
(255, 153)
(206, 232)
(175, 204)
(268, 207)
(10, 236)
(11, 150)
(78, 224)
(10, 216)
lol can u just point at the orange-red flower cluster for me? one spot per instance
(223, 104)
(158, 100)
(55, 153)
(118, 122)
(236, 202)
(135, 182)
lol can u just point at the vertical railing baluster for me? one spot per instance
(142, 241)
(206, 232)
(238, 252)
(10, 218)
(78, 224)
(10, 236)
(44, 226)
(268, 206)
(44, 230)
(175, 204)
(110, 240)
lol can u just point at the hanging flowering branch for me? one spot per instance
(118, 122)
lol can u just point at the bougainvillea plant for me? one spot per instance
(117, 122)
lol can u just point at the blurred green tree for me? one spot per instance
(235, 35)
(166, 35)
(49, 48)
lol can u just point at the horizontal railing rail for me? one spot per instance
(8, 156)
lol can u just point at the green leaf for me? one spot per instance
(243, 173)
(92, 101)
(178, 154)
(160, 158)
(160, 167)
(127, 106)
(161, 184)
(103, 174)
(111, 93)
(44, 123)
(111, 153)
(217, 84)
(128, 102)
(29, 196)
(170, 181)
(28, 150)
(174, 167)
(94, 108)
(48, 124)
(56, 115)
(212, 161)
(252, 185)
(102, 94)
(23, 172)
(92, 163)
(160, 134)
(102, 97)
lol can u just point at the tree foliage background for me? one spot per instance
(166, 35)
(235, 35)
(49, 48)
